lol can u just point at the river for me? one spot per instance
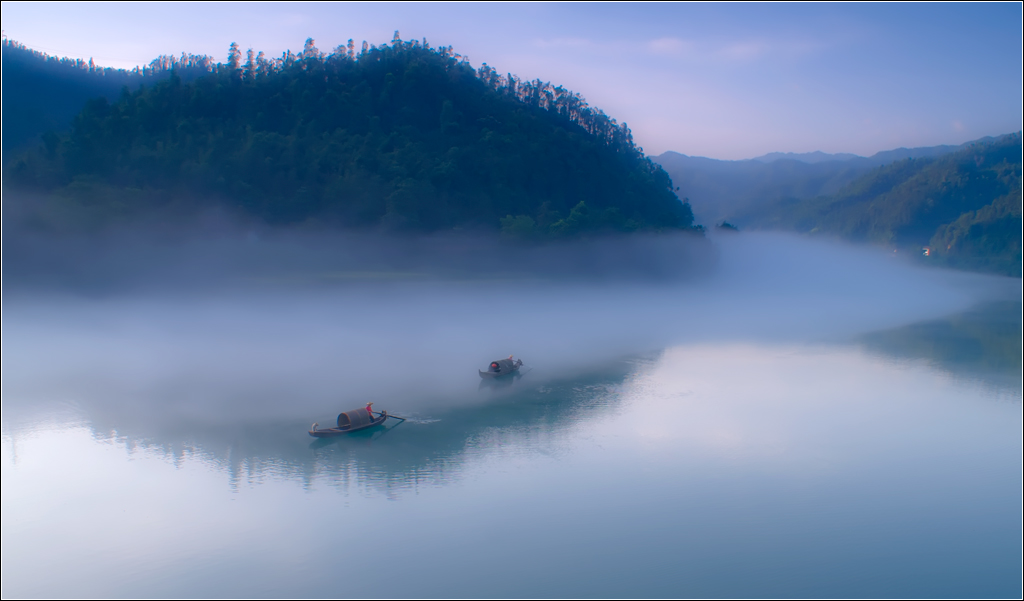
(809, 420)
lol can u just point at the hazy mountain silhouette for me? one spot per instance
(718, 189)
(805, 157)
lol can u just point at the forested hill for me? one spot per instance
(43, 92)
(963, 207)
(403, 136)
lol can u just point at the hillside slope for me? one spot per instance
(964, 207)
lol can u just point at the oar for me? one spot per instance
(394, 416)
(387, 430)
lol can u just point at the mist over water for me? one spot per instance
(730, 416)
(282, 341)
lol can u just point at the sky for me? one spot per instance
(722, 80)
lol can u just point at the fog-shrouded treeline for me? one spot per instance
(403, 136)
(961, 209)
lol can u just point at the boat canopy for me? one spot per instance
(354, 418)
(501, 366)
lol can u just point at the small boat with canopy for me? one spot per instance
(501, 367)
(350, 421)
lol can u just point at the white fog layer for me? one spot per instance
(281, 347)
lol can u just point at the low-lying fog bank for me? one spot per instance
(235, 329)
(227, 256)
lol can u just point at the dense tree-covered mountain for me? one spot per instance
(43, 93)
(401, 136)
(964, 208)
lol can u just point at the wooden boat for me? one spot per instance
(501, 367)
(350, 421)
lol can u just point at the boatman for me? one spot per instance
(370, 410)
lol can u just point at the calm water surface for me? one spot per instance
(872, 462)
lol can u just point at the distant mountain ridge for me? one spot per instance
(806, 157)
(879, 158)
(718, 189)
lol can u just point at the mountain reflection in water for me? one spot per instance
(983, 343)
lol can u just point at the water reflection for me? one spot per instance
(982, 344)
(744, 470)
(755, 457)
(503, 383)
(428, 449)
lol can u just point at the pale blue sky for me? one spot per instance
(728, 81)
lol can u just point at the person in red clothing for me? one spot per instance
(370, 410)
